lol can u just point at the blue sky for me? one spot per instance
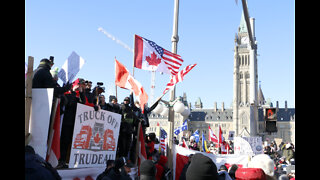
(206, 36)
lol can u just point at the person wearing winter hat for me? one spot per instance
(264, 162)
(250, 174)
(201, 168)
(147, 170)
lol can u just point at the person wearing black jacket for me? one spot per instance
(42, 78)
(75, 96)
(139, 117)
(143, 117)
(126, 128)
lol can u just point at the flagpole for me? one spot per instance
(174, 40)
(134, 42)
(115, 77)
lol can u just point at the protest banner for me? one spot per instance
(248, 145)
(255, 143)
(241, 146)
(40, 118)
(95, 137)
(71, 67)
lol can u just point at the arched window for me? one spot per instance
(245, 60)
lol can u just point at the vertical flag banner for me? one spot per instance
(204, 143)
(212, 136)
(142, 153)
(124, 80)
(149, 56)
(54, 152)
(220, 135)
(163, 136)
(178, 78)
(71, 67)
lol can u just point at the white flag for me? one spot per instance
(71, 67)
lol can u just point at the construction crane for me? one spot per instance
(153, 73)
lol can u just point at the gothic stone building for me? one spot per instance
(247, 117)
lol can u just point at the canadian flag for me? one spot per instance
(212, 137)
(184, 144)
(220, 136)
(142, 153)
(54, 152)
(124, 80)
(150, 56)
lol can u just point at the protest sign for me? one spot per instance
(231, 135)
(95, 137)
(248, 145)
(241, 146)
(255, 143)
(71, 67)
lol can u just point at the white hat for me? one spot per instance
(288, 145)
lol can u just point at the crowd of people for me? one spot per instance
(155, 167)
(279, 160)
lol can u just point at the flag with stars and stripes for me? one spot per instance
(163, 136)
(178, 78)
(150, 56)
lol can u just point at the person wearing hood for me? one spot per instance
(161, 166)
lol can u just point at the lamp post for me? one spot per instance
(174, 40)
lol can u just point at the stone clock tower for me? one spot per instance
(245, 82)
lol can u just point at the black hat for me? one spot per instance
(126, 99)
(147, 170)
(201, 168)
(46, 61)
(122, 161)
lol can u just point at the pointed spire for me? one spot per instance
(261, 99)
(243, 25)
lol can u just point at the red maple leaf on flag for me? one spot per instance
(96, 138)
(153, 60)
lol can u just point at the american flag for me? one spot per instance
(163, 136)
(178, 77)
(173, 61)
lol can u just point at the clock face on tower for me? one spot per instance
(245, 40)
